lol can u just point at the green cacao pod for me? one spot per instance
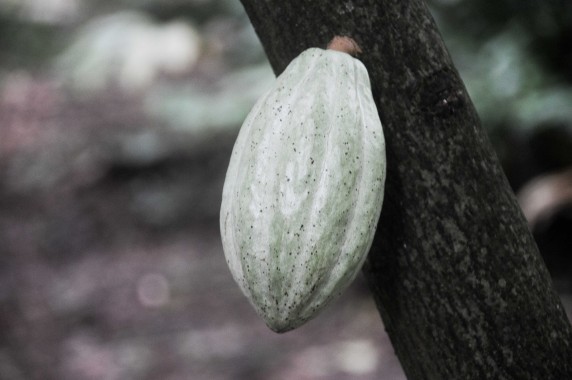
(304, 188)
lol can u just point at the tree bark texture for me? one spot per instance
(455, 273)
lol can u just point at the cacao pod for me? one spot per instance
(304, 188)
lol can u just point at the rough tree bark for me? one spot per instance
(455, 273)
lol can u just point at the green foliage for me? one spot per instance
(27, 45)
(516, 54)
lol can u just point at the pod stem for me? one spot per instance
(345, 44)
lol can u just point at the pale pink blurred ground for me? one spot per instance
(96, 284)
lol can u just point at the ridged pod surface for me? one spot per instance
(304, 188)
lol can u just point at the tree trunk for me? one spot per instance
(456, 275)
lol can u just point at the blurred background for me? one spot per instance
(117, 119)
